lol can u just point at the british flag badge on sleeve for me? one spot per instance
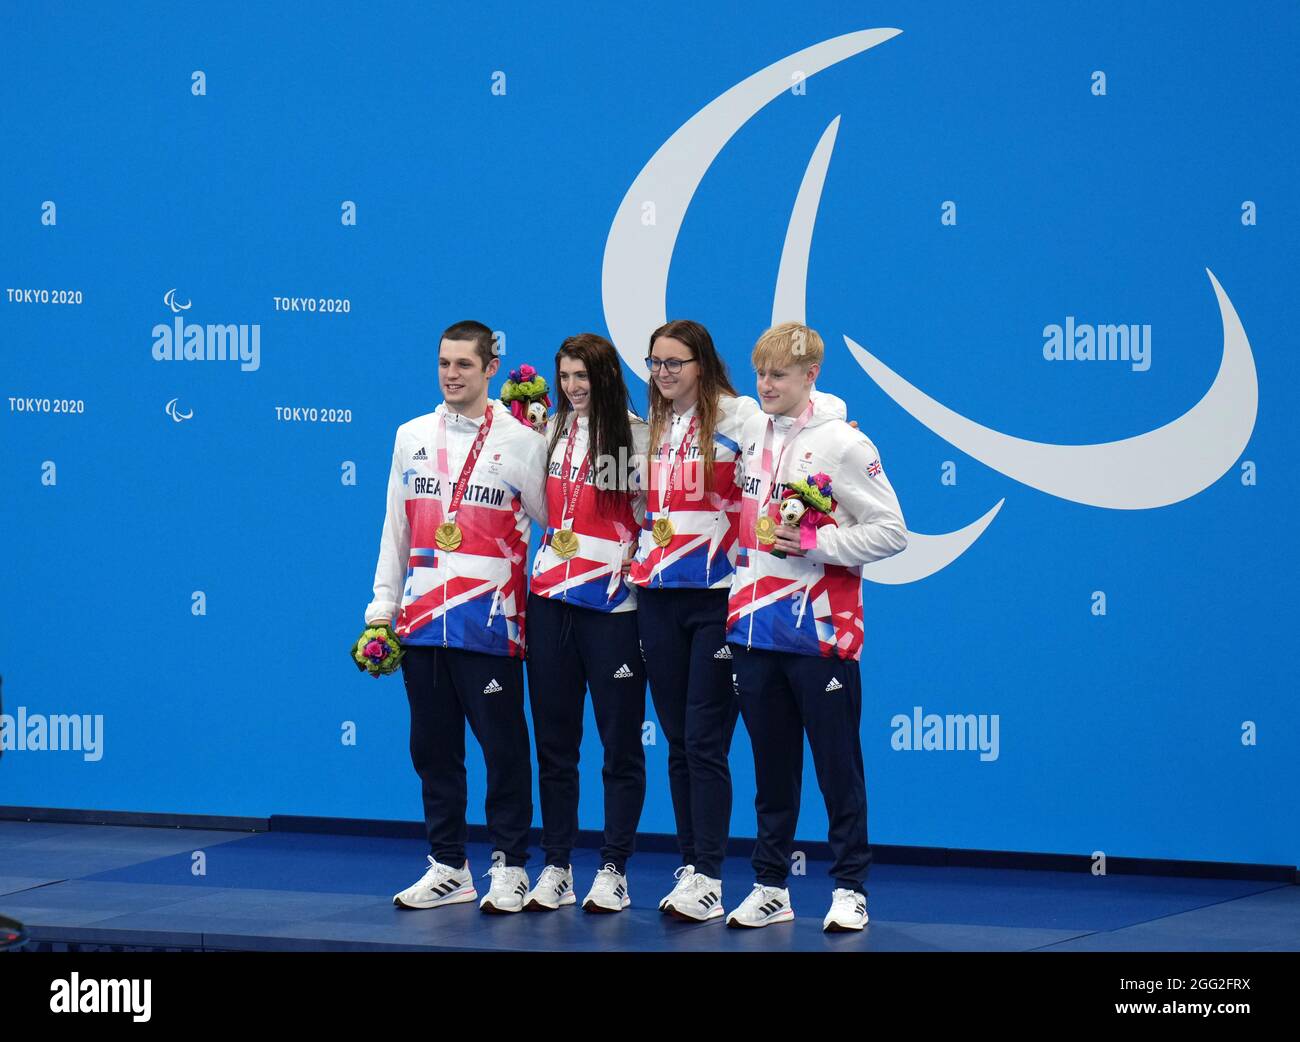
(873, 468)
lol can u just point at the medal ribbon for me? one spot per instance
(672, 466)
(768, 472)
(567, 498)
(444, 469)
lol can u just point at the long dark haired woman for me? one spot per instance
(582, 630)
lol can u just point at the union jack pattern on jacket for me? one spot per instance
(593, 577)
(472, 597)
(811, 604)
(702, 552)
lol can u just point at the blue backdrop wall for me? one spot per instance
(188, 545)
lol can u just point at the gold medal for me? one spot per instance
(447, 536)
(765, 529)
(565, 542)
(662, 531)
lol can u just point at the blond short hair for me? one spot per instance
(790, 343)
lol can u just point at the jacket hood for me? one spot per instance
(826, 407)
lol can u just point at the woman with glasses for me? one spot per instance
(683, 568)
(582, 630)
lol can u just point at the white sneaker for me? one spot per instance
(698, 901)
(848, 911)
(608, 892)
(440, 885)
(508, 890)
(764, 905)
(683, 877)
(554, 888)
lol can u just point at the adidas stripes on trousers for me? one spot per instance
(445, 688)
(782, 697)
(572, 650)
(683, 633)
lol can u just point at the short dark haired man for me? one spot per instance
(465, 481)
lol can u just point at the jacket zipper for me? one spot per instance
(749, 637)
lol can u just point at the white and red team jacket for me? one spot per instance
(702, 552)
(472, 597)
(812, 604)
(593, 577)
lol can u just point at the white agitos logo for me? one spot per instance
(169, 298)
(1162, 466)
(175, 413)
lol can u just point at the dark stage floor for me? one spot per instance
(120, 885)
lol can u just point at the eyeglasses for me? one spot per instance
(673, 365)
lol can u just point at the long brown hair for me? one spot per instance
(713, 384)
(609, 430)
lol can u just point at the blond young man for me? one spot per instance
(795, 621)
